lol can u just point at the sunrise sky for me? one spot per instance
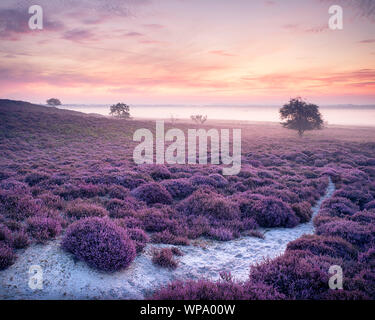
(188, 51)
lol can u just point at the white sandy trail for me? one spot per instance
(65, 279)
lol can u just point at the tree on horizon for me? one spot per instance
(301, 116)
(53, 102)
(120, 110)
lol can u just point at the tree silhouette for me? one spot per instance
(120, 110)
(301, 116)
(53, 102)
(198, 118)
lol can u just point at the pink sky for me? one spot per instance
(188, 51)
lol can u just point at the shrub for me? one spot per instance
(220, 234)
(368, 257)
(296, 274)
(123, 208)
(178, 188)
(271, 212)
(370, 205)
(199, 180)
(81, 209)
(208, 203)
(20, 240)
(7, 256)
(200, 290)
(356, 195)
(139, 237)
(160, 172)
(164, 258)
(177, 252)
(339, 207)
(351, 231)
(100, 243)
(364, 217)
(216, 290)
(152, 193)
(322, 218)
(302, 211)
(324, 245)
(36, 177)
(17, 205)
(43, 228)
(168, 238)
(221, 182)
(5, 234)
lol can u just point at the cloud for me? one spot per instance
(222, 53)
(133, 34)
(78, 35)
(367, 41)
(153, 26)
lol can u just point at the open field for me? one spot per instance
(69, 188)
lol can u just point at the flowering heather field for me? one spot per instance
(70, 176)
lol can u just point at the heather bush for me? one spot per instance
(340, 207)
(152, 193)
(296, 274)
(303, 211)
(357, 195)
(20, 239)
(370, 205)
(81, 190)
(5, 233)
(178, 188)
(354, 232)
(7, 256)
(199, 180)
(177, 252)
(159, 172)
(139, 237)
(364, 217)
(271, 212)
(334, 247)
(368, 257)
(123, 208)
(200, 290)
(81, 209)
(323, 217)
(221, 182)
(168, 238)
(51, 201)
(18, 206)
(43, 228)
(208, 203)
(36, 177)
(117, 192)
(220, 234)
(164, 258)
(100, 243)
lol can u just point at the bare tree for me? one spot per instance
(198, 118)
(173, 119)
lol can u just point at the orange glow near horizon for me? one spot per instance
(189, 52)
